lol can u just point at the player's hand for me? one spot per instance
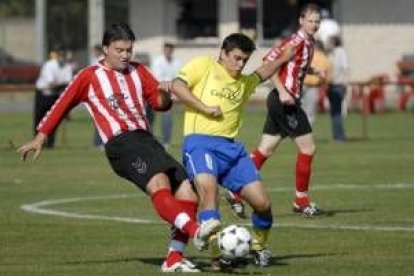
(33, 146)
(165, 86)
(213, 111)
(286, 98)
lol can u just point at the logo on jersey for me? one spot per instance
(139, 165)
(115, 100)
(233, 96)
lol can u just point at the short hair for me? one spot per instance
(310, 7)
(117, 31)
(238, 41)
(336, 40)
(169, 45)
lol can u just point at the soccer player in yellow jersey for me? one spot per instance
(215, 92)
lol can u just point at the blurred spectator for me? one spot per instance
(71, 61)
(337, 87)
(314, 84)
(96, 56)
(327, 29)
(55, 74)
(165, 68)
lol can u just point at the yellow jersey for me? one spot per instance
(212, 84)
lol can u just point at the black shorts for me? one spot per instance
(138, 156)
(285, 120)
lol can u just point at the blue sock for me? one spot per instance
(208, 214)
(262, 221)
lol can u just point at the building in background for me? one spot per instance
(377, 33)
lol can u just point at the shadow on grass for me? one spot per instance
(328, 213)
(355, 139)
(279, 260)
(119, 260)
(248, 269)
(203, 262)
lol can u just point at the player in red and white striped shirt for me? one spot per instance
(115, 92)
(285, 116)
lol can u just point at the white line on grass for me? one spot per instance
(39, 208)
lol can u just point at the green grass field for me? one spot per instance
(367, 185)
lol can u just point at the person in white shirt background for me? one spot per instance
(165, 68)
(338, 86)
(54, 75)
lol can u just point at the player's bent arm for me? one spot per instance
(183, 93)
(270, 67)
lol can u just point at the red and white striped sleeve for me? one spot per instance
(150, 88)
(75, 92)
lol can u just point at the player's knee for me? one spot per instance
(308, 150)
(158, 182)
(186, 192)
(262, 205)
(267, 149)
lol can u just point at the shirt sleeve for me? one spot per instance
(251, 81)
(149, 87)
(70, 97)
(275, 52)
(192, 72)
(46, 76)
(343, 59)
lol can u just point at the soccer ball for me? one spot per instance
(234, 242)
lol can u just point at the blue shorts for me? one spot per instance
(222, 157)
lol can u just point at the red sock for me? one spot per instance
(237, 197)
(173, 257)
(179, 239)
(190, 207)
(258, 158)
(303, 173)
(169, 209)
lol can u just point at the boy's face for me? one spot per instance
(118, 54)
(234, 61)
(309, 24)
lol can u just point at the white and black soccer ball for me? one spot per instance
(234, 242)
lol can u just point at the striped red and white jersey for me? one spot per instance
(293, 72)
(116, 100)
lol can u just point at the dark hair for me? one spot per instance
(238, 41)
(59, 49)
(168, 45)
(336, 41)
(117, 31)
(310, 7)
